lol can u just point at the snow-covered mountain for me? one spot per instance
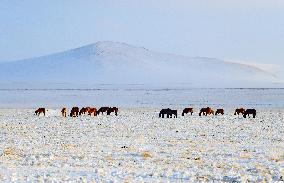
(120, 63)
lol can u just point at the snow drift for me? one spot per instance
(120, 63)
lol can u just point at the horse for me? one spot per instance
(84, 110)
(74, 112)
(206, 111)
(219, 111)
(112, 109)
(92, 111)
(64, 112)
(239, 111)
(187, 110)
(174, 113)
(248, 112)
(168, 112)
(39, 111)
(102, 110)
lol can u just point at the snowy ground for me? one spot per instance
(138, 146)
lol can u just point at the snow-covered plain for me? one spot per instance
(137, 146)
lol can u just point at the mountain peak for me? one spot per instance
(121, 63)
(107, 47)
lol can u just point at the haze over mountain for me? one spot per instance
(120, 63)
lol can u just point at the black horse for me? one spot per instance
(248, 112)
(102, 110)
(112, 109)
(170, 113)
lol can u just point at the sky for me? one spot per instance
(236, 30)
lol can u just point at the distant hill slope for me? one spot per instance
(120, 63)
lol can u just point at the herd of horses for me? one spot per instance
(76, 111)
(169, 113)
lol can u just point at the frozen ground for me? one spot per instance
(138, 146)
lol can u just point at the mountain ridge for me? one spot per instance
(107, 61)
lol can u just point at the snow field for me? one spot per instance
(138, 146)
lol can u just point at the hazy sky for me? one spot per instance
(246, 30)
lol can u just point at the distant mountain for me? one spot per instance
(120, 63)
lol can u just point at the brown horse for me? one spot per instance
(187, 110)
(102, 110)
(39, 111)
(64, 112)
(248, 112)
(220, 111)
(206, 111)
(74, 112)
(84, 110)
(92, 111)
(112, 109)
(239, 111)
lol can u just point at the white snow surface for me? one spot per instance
(137, 146)
(120, 63)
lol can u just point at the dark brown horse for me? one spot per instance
(239, 111)
(64, 112)
(169, 112)
(39, 111)
(220, 111)
(112, 109)
(206, 111)
(84, 110)
(248, 112)
(74, 112)
(187, 110)
(92, 111)
(102, 110)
